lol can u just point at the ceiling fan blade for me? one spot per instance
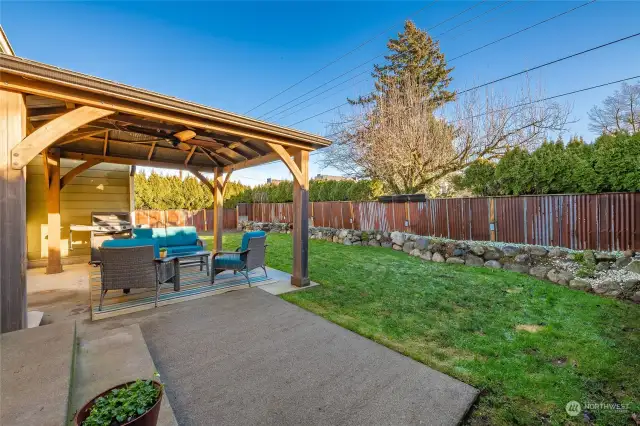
(185, 135)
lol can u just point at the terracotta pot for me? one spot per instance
(150, 418)
(163, 254)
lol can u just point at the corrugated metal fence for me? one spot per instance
(201, 219)
(599, 221)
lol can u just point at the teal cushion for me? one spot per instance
(176, 250)
(248, 235)
(133, 242)
(158, 234)
(181, 236)
(228, 261)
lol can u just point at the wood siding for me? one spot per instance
(104, 187)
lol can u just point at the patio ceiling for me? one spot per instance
(140, 127)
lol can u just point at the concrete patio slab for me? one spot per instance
(247, 357)
(36, 374)
(282, 283)
(109, 358)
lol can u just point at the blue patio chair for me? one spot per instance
(248, 256)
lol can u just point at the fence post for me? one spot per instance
(204, 214)
(492, 219)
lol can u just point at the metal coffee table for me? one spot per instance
(198, 258)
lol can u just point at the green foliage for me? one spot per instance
(611, 164)
(157, 192)
(122, 405)
(416, 56)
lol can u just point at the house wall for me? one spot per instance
(104, 187)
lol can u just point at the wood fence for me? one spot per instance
(201, 219)
(595, 221)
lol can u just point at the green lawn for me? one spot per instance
(462, 321)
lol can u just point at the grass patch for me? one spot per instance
(468, 323)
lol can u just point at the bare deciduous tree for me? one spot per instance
(620, 112)
(402, 142)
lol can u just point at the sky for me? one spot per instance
(237, 55)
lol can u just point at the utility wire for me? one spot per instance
(522, 5)
(550, 63)
(451, 60)
(523, 30)
(362, 64)
(341, 57)
(474, 18)
(507, 108)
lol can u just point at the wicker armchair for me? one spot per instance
(246, 257)
(133, 267)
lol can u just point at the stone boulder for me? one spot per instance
(437, 257)
(560, 277)
(557, 252)
(477, 249)
(422, 243)
(633, 266)
(386, 244)
(347, 242)
(494, 264)
(407, 247)
(630, 285)
(397, 238)
(580, 284)
(456, 260)
(537, 251)
(516, 267)
(492, 253)
(343, 233)
(622, 262)
(415, 252)
(449, 248)
(397, 247)
(603, 266)
(539, 271)
(374, 243)
(608, 287)
(511, 251)
(636, 297)
(588, 256)
(458, 252)
(473, 260)
(426, 255)
(601, 256)
(522, 259)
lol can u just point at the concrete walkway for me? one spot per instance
(248, 357)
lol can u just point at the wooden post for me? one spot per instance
(492, 219)
(300, 277)
(13, 212)
(54, 263)
(218, 186)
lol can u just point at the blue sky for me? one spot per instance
(235, 55)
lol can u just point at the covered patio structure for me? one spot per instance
(63, 114)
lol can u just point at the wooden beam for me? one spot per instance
(209, 156)
(286, 159)
(153, 147)
(163, 113)
(191, 151)
(106, 143)
(54, 262)
(218, 209)
(13, 215)
(226, 179)
(45, 166)
(205, 181)
(48, 134)
(268, 158)
(74, 137)
(68, 177)
(300, 232)
(128, 161)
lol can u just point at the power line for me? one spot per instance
(340, 57)
(475, 17)
(361, 65)
(523, 30)
(451, 60)
(550, 63)
(503, 109)
(523, 4)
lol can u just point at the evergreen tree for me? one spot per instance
(413, 55)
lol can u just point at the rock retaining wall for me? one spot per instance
(608, 274)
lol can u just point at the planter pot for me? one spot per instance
(163, 254)
(150, 418)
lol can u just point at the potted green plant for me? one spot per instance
(135, 403)
(163, 253)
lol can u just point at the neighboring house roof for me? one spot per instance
(5, 46)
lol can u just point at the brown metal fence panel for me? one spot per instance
(201, 219)
(576, 221)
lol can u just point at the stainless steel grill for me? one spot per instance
(108, 226)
